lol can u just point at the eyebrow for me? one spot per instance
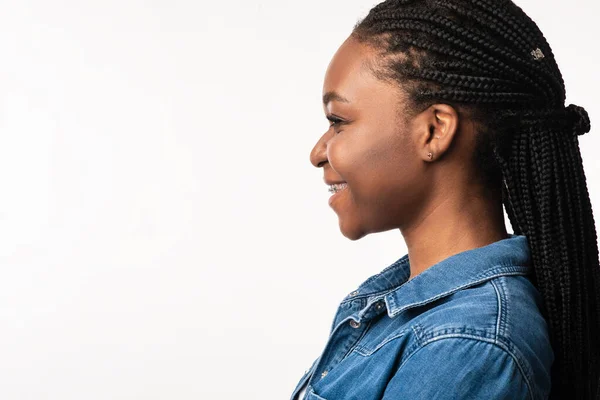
(334, 96)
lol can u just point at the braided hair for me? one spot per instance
(487, 58)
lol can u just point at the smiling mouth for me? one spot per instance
(337, 187)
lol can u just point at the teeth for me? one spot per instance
(337, 187)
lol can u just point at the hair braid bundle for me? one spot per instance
(489, 56)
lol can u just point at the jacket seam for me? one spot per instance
(368, 352)
(356, 345)
(499, 311)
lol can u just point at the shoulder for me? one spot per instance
(496, 325)
(460, 367)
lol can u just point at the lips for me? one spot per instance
(330, 182)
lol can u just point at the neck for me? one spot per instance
(450, 225)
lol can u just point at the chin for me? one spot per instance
(356, 232)
(352, 232)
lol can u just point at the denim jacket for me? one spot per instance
(469, 327)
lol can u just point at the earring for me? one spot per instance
(430, 155)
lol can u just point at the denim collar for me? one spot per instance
(510, 256)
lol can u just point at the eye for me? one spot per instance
(335, 121)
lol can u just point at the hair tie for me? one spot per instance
(578, 118)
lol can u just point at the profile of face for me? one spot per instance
(380, 152)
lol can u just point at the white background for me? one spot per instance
(163, 234)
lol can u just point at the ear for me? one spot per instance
(436, 129)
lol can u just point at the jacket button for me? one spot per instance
(354, 324)
(379, 306)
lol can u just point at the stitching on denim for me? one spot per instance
(499, 310)
(356, 344)
(349, 346)
(391, 304)
(505, 306)
(367, 352)
(476, 281)
(379, 294)
(418, 333)
(463, 330)
(499, 344)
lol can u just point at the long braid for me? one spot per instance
(489, 57)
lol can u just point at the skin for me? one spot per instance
(382, 153)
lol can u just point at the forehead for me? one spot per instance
(349, 64)
(350, 75)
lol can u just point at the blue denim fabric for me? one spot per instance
(469, 327)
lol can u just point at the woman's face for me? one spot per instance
(372, 148)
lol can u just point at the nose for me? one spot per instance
(318, 155)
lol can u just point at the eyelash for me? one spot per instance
(334, 120)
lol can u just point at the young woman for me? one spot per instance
(442, 112)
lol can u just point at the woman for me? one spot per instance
(443, 111)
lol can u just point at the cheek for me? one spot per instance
(345, 156)
(378, 165)
(385, 175)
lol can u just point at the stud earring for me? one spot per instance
(430, 155)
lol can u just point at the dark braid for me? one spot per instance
(490, 60)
